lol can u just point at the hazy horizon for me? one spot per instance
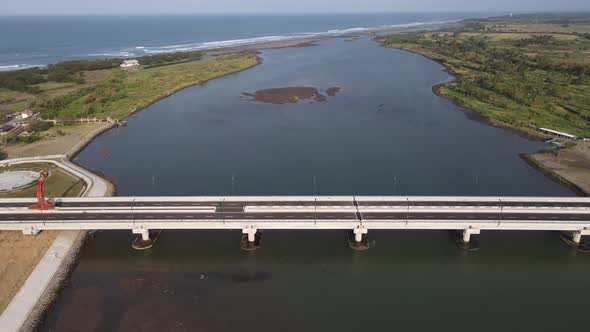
(207, 7)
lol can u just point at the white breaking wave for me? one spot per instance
(217, 44)
(113, 54)
(17, 67)
(201, 46)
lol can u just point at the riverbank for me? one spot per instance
(20, 254)
(49, 258)
(118, 95)
(518, 74)
(511, 74)
(59, 140)
(36, 266)
(569, 166)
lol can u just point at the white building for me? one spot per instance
(26, 114)
(130, 63)
(557, 133)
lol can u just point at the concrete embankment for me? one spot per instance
(88, 139)
(40, 289)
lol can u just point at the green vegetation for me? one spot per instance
(74, 71)
(58, 184)
(524, 72)
(34, 129)
(125, 90)
(114, 92)
(149, 61)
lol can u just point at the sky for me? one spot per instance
(72, 7)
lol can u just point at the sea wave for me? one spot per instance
(201, 46)
(135, 51)
(121, 54)
(17, 67)
(218, 44)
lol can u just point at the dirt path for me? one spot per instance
(57, 140)
(572, 164)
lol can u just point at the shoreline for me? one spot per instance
(551, 174)
(471, 114)
(186, 86)
(247, 44)
(29, 306)
(76, 241)
(254, 49)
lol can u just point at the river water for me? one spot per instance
(384, 133)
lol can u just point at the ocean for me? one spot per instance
(29, 41)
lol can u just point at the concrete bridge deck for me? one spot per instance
(250, 214)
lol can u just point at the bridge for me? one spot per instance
(358, 214)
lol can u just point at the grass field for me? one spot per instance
(126, 90)
(517, 74)
(12, 101)
(114, 92)
(59, 139)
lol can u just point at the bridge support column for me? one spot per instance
(574, 240)
(465, 241)
(31, 231)
(143, 241)
(358, 239)
(251, 238)
(577, 237)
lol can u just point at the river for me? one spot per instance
(385, 133)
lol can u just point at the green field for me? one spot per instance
(520, 73)
(127, 90)
(101, 89)
(58, 184)
(114, 92)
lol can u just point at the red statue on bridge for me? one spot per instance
(42, 203)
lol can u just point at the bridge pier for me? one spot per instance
(574, 240)
(358, 238)
(31, 231)
(577, 237)
(143, 241)
(251, 238)
(465, 241)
